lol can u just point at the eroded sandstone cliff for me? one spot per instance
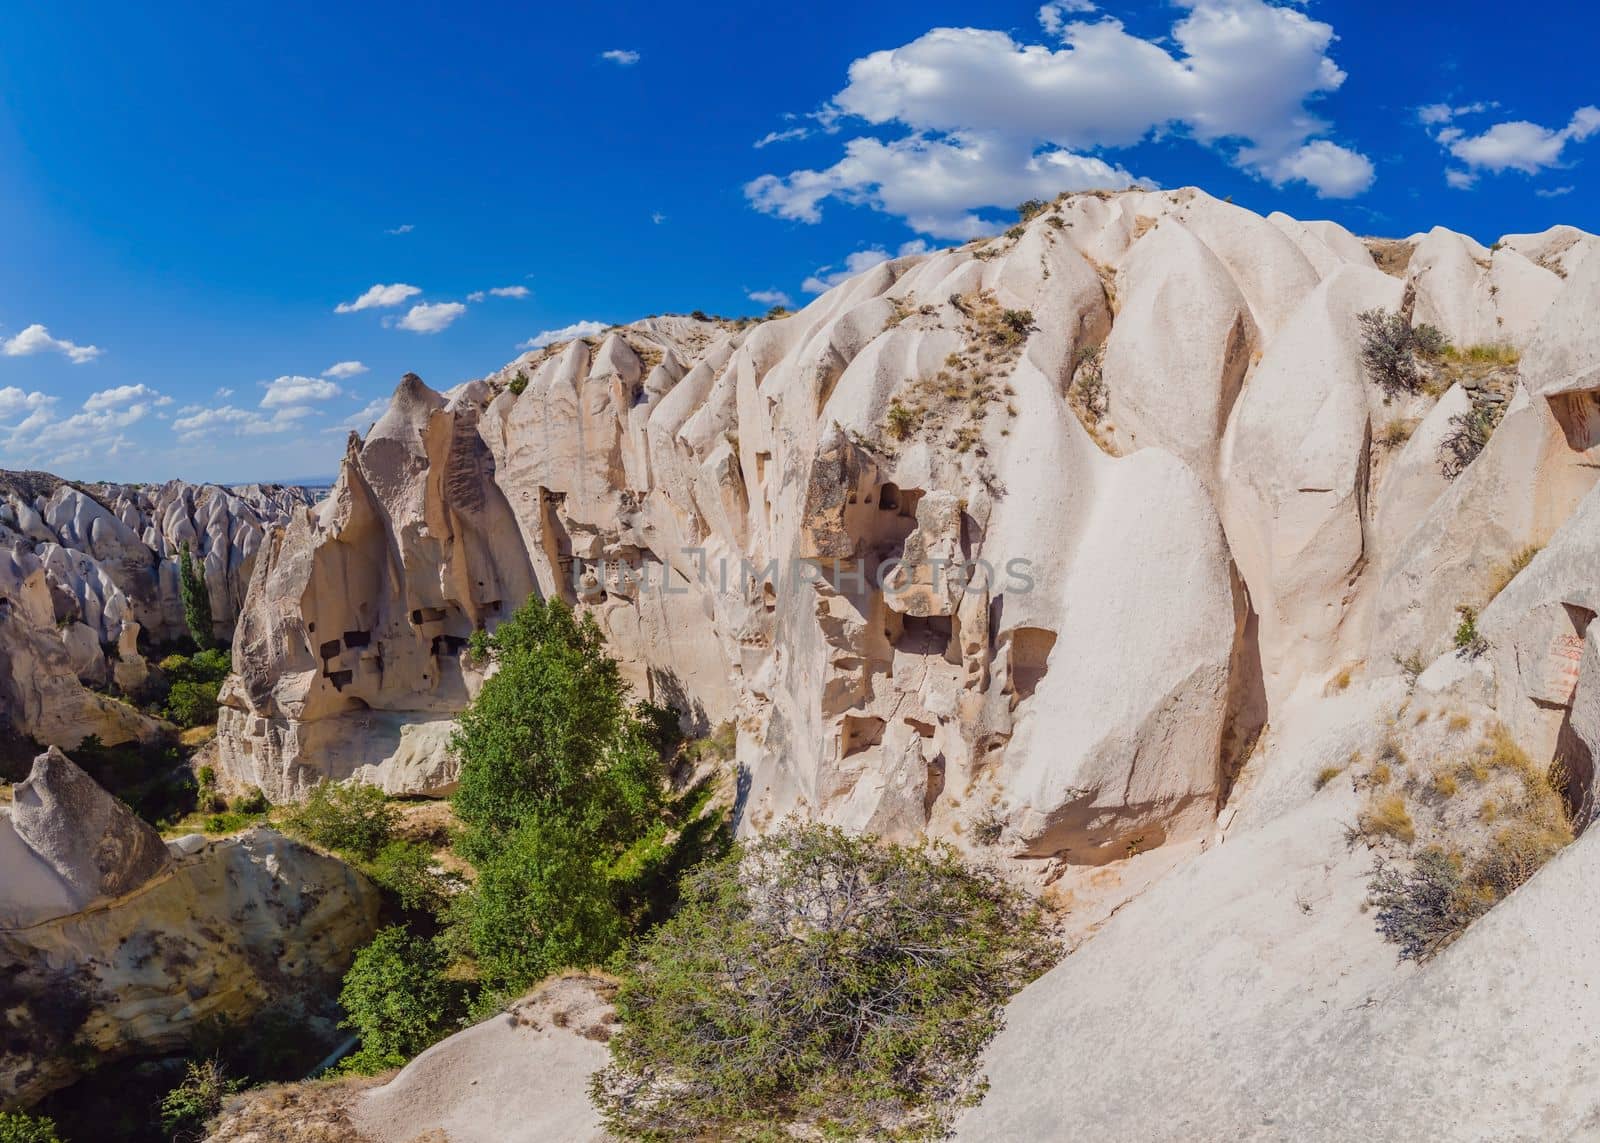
(1152, 403)
(89, 580)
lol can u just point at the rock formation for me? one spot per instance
(112, 944)
(89, 577)
(1145, 414)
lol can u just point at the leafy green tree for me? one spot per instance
(541, 904)
(406, 869)
(196, 600)
(396, 998)
(820, 976)
(19, 1127)
(551, 736)
(352, 817)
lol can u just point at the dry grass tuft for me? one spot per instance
(1327, 774)
(1387, 816)
(1458, 722)
(315, 1111)
(1508, 571)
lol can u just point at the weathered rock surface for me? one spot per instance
(1253, 542)
(214, 933)
(87, 568)
(65, 843)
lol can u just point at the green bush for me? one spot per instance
(518, 383)
(352, 817)
(1030, 208)
(819, 977)
(192, 704)
(396, 999)
(255, 802)
(406, 869)
(1469, 641)
(198, 1099)
(18, 1127)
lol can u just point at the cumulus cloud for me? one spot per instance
(1053, 17)
(498, 292)
(379, 297)
(565, 333)
(343, 369)
(123, 395)
(770, 298)
(981, 120)
(622, 57)
(196, 422)
(828, 277)
(36, 339)
(284, 392)
(14, 402)
(1518, 145)
(431, 317)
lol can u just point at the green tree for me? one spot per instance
(821, 976)
(396, 999)
(19, 1127)
(196, 600)
(550, 735)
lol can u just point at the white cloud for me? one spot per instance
(565, 333)
(36, 339)
(378, 297)
(785, 136)
(770, 298)
(657, 217)
(431, 317)
(14, 401)
(622, 57)
(509, 291)
(1461, 180)
(123, 395)
(1517, 145)
(344, 369)
(195, 423)
(403, 228)
(361, 420)
(284, 392)
(1436, 113)
(986, 121)
(224, 393)
(1052, 17)
(1554, 192)
(828, 277)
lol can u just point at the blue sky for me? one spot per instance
(190, 196)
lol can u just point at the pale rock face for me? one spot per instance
(1251, 543)
(112, 944)
(92, 845)
(90, 566)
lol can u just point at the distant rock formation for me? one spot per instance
(112, 944)
(87, 571)
(1151, 403)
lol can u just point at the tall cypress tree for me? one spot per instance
(196, 600)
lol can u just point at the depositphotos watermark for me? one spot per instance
(890, 576)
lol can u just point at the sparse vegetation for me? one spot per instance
(1395, 432)
(1508, 571)
(1468, 640)
(1388, 351)
(518, 383)
(186, 1108)
(1457, 878)
(1327, 774)
(818, 978)
(1411, 666)
(1387, 816)
(901, 420)
(1468, 434)
(1031, 208)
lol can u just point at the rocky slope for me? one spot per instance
(89, 580)
(112, 943)
(1151, 403)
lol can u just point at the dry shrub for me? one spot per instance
(1387, 817)
(1508, 571)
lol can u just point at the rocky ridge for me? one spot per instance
(89, 580)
